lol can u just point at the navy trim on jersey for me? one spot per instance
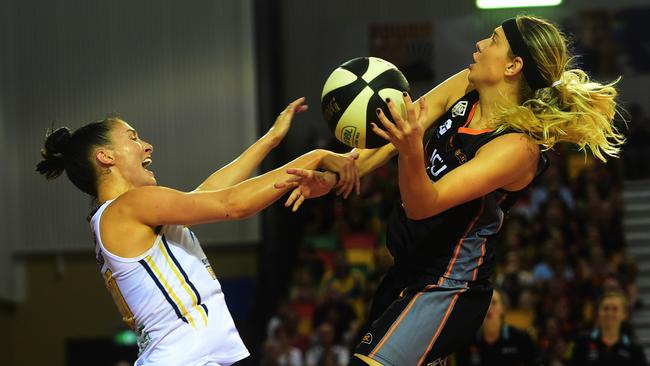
(162, 289)
(187, 279)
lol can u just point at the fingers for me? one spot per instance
(397, 116)
(293, 196)
(390, 128)
(423, 110)
(410, 110)
(381, 133)
(297, 105)
(297, 204)
(303, 173)
(353, 154)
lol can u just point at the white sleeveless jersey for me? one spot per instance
(171, 298)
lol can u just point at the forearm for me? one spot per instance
(371, 159)
(241, 168)
(413, 184)
(255, 194)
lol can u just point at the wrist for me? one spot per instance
(336, 177)
(270, 140)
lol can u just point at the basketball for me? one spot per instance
(354, 91)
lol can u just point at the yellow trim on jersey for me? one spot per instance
(183, 283)
(171, 292)
(118, 298)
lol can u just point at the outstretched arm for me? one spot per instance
(243, 166)
(154, 206)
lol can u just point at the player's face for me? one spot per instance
(132, 155)
(611, 312)
(490, 59)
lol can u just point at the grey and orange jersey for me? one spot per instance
(459, 242)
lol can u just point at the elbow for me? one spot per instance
(235, 209)
(416, 213)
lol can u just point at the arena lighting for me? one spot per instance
(500, 4)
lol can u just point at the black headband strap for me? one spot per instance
(519, 48)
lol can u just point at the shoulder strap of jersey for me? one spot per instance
(461, 108)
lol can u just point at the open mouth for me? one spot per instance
(146, 162)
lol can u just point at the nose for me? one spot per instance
(478, 46)
(148, 147)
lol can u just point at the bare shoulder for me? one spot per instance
(122, 233)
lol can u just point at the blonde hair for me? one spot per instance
(577, 110)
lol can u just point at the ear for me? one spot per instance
(105, 157)
(514, 67)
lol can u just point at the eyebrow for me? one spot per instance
(132, 130)
(495, 34)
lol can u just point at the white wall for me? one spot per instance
(181, 72)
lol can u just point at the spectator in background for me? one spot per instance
(279, 351)
(608, 343)
(497, 343)
(336, 311)
(326, 348)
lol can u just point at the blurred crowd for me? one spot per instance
(561, 249)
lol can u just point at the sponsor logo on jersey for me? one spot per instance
(438, 362)
(444, 127)
(367, 339)
(460, 156)
(459, 109)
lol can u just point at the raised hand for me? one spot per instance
(407, 135)
(281, 125)
(308, 183)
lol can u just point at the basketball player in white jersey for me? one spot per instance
(152, 263)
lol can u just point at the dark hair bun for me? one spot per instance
(53, 152)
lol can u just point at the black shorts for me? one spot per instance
(425, 322)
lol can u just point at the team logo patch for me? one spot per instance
(438, 362)
(459, 109)
(460, 156)
(367, 339)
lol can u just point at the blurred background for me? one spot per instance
(201, 80)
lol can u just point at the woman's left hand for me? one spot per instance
(407, 135)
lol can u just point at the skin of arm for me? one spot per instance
(508, 162)
(154, 206)
(128, 225)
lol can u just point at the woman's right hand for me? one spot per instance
(281, 125)
(346, 170)
(308, 183)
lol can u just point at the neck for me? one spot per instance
(490, 99)
(111, 186)
(491, 330)
(611, 335)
